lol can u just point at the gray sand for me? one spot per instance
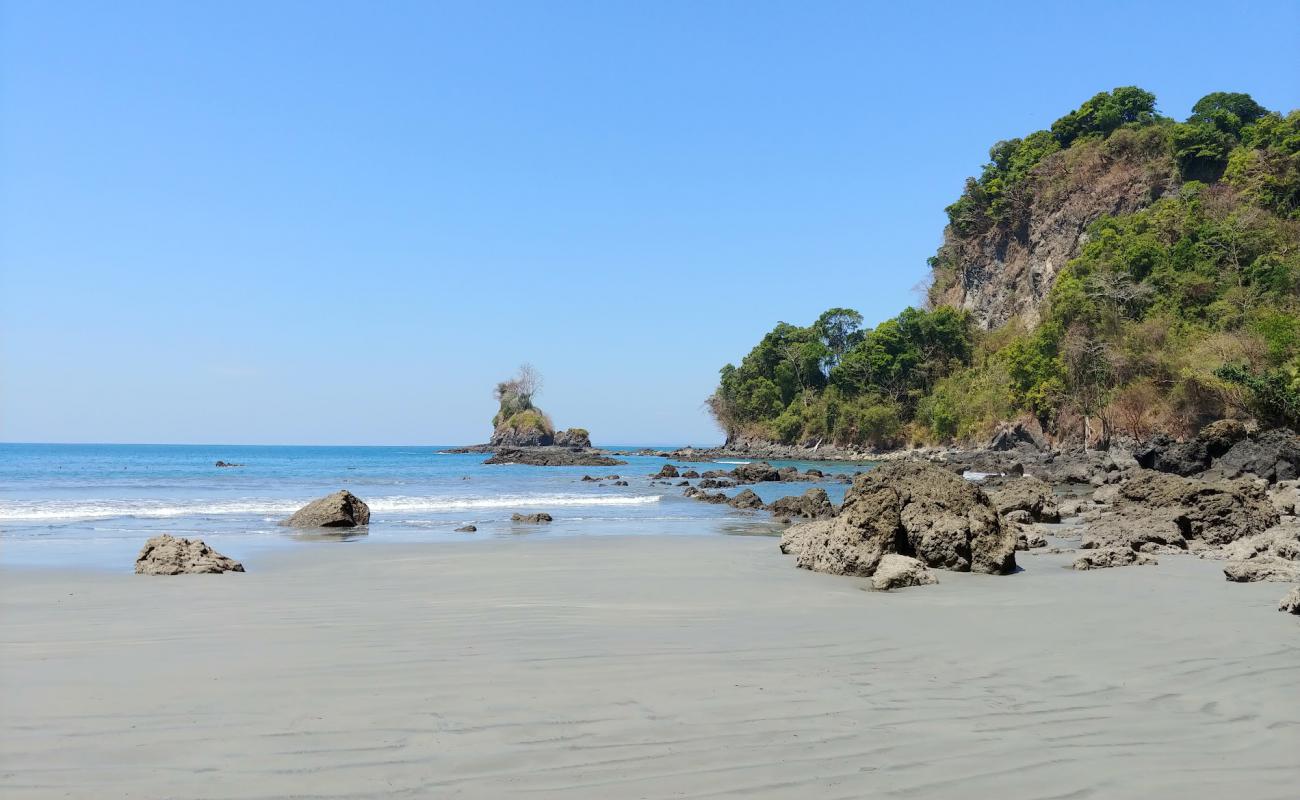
(648, 667)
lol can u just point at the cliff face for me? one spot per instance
(1006, 271)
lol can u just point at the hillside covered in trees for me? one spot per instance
(1119, 273)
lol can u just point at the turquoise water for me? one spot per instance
(94, 505)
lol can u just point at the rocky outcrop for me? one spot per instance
(1262, 569)
(226, 464)
(1108, 557)
(666, 471)
(169, 555)
(1030, 495)
(508, 436)
(910, 508)
(466, 529)
(1006, 271)
(339, 510)
(812, 504)
(746, 499)
(1227, 449)
(1155, 511)
(1018, 434)
(896, 572)
(573, 437)
(757, 472)
(552, 457)
(532, 519)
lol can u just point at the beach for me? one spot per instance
(642, 667)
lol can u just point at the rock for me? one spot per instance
(757, 472)
(532, 519)
(1155, 529)
(796, 537)
(552, 457)
(1264, 568)
(690, 473)
(746, 499)
(705, 497)
(1029, 539)
(1273, 456)
(1013, 435)
(667, 471)
(1280, 541)
(573, 437)
(466, 529)
(911, 508)
(339, 510)
(227, 464)
(1030, 495)
(620, 483)
(1066, 509)
(812, 504)
(168, 555)
(1285, 497)
(1219, 437)
(1216, 512)
(1106, 495)
(1019, 516)
(896, 572)
(512, 437)
(716, 483)
(1108, 557)
(589, 479)
(1163, 454)
(1291, 603)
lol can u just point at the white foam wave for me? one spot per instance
(733, 462)
(72, 510)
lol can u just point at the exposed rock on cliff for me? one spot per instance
(1007, 270)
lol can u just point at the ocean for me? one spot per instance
(93, 506)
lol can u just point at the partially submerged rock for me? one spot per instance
(466, 529)
(666, 471)
(339, 510)
(532, 519)
(895, 572)
(1108, 557)
(746, 499)
(552, 457)
(910, 508)
(812, 504)
(1264, 568)
(169, 555)
(757, 472)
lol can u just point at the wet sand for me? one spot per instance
(643, 667)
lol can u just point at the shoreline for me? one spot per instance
(647, 666)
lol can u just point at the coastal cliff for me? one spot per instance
(1119, 274)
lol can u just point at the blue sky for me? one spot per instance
(341, 223)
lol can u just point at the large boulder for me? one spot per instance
(1030, 495)
(910, 508)
(746, 499)
(1163, 454)
(896, 572)
(169, 555)
(532, 519)
(1262, 569)
(756, 472)
(1156, 511)
(1015, 435)
(573, 437)
(342, 509)
(1273, 455)
(812, 504)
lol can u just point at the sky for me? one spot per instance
(342, 223)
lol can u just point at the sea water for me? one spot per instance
(95, 505)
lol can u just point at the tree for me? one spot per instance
(839, 330)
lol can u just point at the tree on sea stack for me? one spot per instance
(519, 423)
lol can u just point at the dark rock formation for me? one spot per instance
(339, 510)
(466, 529)
(911, 508)
(757, 472)
(1229, 449)
(532, 519)
(168, 555)
(521, 437)
(812, 504)
(226, 464)
(552, 457)
(1014, 435)
(573, 437)
(746, 499)
(666, 471)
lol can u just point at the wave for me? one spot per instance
(733, 462)
(72, 510)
